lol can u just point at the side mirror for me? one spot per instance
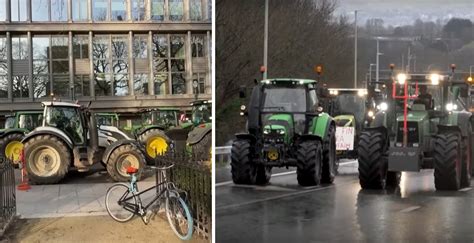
(242, 93)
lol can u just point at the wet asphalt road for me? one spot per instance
(342, 212)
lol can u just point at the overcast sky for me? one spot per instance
(401, 12)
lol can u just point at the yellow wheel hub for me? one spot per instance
(13, 150)
(272, 155)
(156, 146)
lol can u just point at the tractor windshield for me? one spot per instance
(30, 121)
(166, 118)
(351, 103)
(10, 122)
(284, 99)
(201, 114)
(106, 120)
(66, 119)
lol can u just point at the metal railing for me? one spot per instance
(223, 154)
(195, 178)
(7, 194)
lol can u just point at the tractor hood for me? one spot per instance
(413, 116)
(282, 124)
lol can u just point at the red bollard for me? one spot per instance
(24, 186)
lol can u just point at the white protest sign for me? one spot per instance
(344, 138)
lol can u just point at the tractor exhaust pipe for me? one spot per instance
(93, 132)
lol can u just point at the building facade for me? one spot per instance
(122, 55)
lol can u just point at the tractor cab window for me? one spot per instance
(105, 121)
(68, 120)
(201, 114)
(284, 99)
(166, 118)
(10, 122)
(30, 121)
(429, 95)
(313, 99)
(350, 103)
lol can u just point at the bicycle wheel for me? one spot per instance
(179, 216)
(115, 207)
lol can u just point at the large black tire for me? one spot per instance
(330, 162)
(121, 158)
(147, 139)
(242, 169)
(466, 159)
(372, 164)
(5, 141)
(309, 163)
(202, 149)
(447, 161)
(47, 159)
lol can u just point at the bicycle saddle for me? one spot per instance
(131, 170)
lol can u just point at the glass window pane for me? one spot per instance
(81, 46)
(61, 85)
(119, 47)
(18, 10)
(81, 86)
(59, 10)
(139, 10)
(209, 10)
(100, 48)
(119, 10)
(161, 65)
(100, 9)
(197, 45)
(20, 86)
(60, 67)
(19, 48)
(177, 65)
(3, 12)
(3, 86)
(3, 48)
(179, 83)
(158, 10)
(140, 47)
(195, 10)
(41, 86)
(120, 66)
(177, 46)
(161, 79)
(59, 47)
(160, 46)
(40, 67)
(79, 10)
(40, 47)
(176, 9)
(103, 85)
(39, 10)
(140, 84)
(3, 67)
(120, 84)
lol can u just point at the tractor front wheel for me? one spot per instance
(11, 147)
(330, 162)
(201, 150)
(47, 159)
(123, 157)
(244, 171)
(309, 163)
(372, 164)
(155, 141)
(447, 161)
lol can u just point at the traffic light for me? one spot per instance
(318, 69)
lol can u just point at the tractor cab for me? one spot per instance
(107, 119)
(166, 117)
(202, 112)
(9, 122)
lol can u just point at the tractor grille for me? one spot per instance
(412, 132)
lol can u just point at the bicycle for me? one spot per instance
(123, 202)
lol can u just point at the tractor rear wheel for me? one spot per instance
(201, 150)
(244, 171)
(122, 157)
(330, 162)
(11, 147)
(47, 159)
(309, 163)
(447, 161)
(155, 141)
(372, 164)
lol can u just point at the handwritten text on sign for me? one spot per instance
(344, 138)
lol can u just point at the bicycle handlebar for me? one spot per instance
(161, 168)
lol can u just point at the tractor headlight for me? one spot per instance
(435, 78)
(361, 92)
(451, 107)
(266, 131)
(401, 78)
(281, 132)
(243, 107)
(333, 92)
(383, 106)
(370, 114)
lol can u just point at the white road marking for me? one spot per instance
(280, 196)
(465, 189)
(280, 174)
(409, 209)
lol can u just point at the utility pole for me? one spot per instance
(355, 49)
(377, 62)
(409, 60)
(265, 43)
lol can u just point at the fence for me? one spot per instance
(7, 194)
(195, 178)
(223, 154)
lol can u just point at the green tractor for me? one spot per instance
(423, 124)
(285, 127)
(70, 139)
(150, 129)
(16, 127)
(107, 119)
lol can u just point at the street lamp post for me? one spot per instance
(377, 61)
(470, 70)
(265, 42)
(370, 71)
(355, 48)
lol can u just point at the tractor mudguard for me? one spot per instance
(247, 136)
(198, 133)
(458, 121)
(49, 131)
(146, 128)
(321, 124)
(308, 137)
(13, 130)
(108, 151)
